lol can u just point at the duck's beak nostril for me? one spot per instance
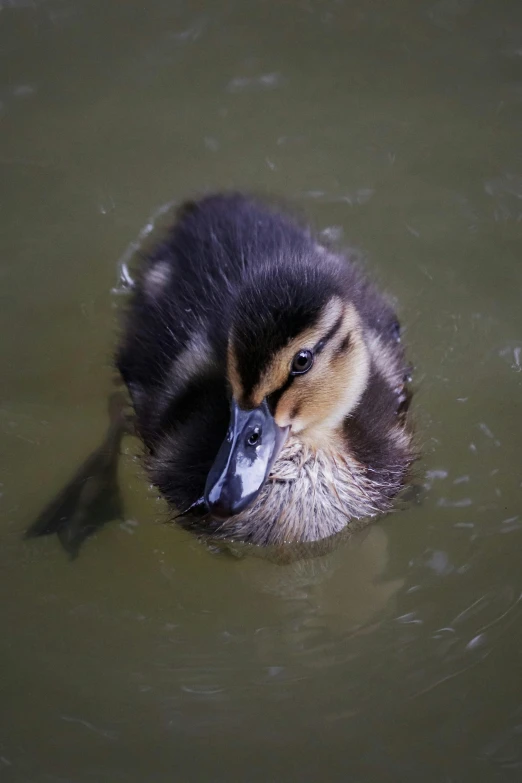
(244, 461)
(254, 437)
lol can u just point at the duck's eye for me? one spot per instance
(302, 362)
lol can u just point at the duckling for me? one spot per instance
(267, 376)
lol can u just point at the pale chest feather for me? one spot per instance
(313, 494)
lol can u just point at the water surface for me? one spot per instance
(396, 127)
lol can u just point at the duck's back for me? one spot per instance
(217, 241)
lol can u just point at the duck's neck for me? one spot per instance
(321, 437)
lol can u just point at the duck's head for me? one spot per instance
(297, 365)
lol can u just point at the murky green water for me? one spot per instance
(397, 657)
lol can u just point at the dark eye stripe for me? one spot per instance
(328, 336)
(276, 395)
(273, 398)
(343, 346)
(295, 412)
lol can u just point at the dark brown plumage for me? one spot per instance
(235, 288)
(268, 380)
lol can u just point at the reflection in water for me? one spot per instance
(267, 81)
(337, 585)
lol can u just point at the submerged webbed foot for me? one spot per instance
(92, 497)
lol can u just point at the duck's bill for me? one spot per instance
(244, 461)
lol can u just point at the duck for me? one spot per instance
(267, 375)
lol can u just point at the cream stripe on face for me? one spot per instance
(385, 359)
(277, 373)
(319, 401)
